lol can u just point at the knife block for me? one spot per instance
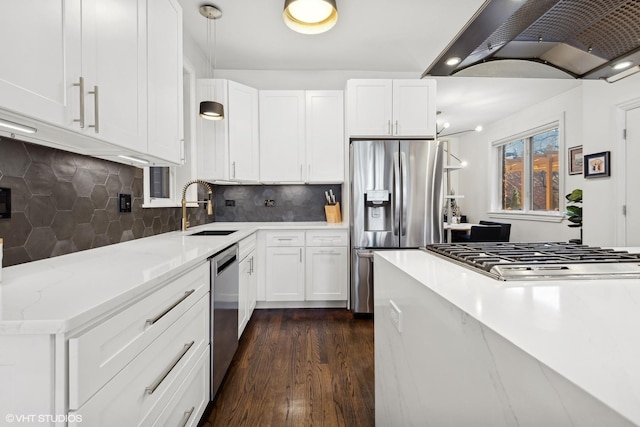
(332, 213)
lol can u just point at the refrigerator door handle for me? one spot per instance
(396, 196)
(403, 168)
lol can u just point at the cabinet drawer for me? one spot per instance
(100, 353)
(188, 404)
(247, 245)
(285, 238)
(327, 238)
(153, 376)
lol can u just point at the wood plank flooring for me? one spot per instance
(300, 367)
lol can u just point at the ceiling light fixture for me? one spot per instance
(453, 61)
(211, 110)
(17, 126)
(625, 73)
(134, 159)
(622, 65)
(310, 16)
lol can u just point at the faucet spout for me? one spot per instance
(185, 222)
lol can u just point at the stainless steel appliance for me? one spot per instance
(224, 317)
(396, 202)
(541, 261)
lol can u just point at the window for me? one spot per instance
(159, 182)
(529, 172)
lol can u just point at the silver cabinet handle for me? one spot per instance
(396, 127)
(309, 172)
(96, 103)
(301, 172)
(233, 169)
(80, 84)
(251, 265)
(300, 254)
(389, 127)
(171, 307)
(185, 418)
(283, 239)
(168, 369)
(182, 156)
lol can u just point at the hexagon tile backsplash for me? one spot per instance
(63, 202)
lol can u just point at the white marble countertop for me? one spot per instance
(61, 293)
(586, 330)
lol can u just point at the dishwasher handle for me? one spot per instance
(224, 259)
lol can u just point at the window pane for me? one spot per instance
(512, 175)
(545, 178)
(159, 182)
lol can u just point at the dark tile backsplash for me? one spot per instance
(63, 202)
(292, 202)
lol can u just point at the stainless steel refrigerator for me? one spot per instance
(396, 203)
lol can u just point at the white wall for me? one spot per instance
(603, 220)
(476, 180)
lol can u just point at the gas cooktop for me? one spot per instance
(541, 261)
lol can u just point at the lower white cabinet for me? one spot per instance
(326, 273)
(306, 266)
(248, 282)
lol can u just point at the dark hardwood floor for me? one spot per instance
(300, 367)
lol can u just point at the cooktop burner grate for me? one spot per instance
(510, 261)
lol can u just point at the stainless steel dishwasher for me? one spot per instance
(224, 316)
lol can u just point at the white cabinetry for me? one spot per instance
(282, 154)
(379, 107)
(301, 136)
(228, 150)
(164, 65)
(325, 136)
(248, 282)
(306, 266)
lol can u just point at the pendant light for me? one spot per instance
(211, 110)
(310, 16)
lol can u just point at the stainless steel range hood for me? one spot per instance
(585, 39)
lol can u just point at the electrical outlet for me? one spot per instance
(269, 203)
(395, 314)
(124, 202)
(229, 202)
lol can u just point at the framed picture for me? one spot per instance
(597, 165)
(575, 160)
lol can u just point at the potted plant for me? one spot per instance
(574, 212)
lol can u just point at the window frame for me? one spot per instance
(527, 213)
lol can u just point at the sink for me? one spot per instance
(214, 233)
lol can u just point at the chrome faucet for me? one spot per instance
(185, 223)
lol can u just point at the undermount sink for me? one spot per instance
(214, 233)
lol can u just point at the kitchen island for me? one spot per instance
(454, 347)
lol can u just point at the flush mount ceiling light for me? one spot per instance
(622, 65)
(211, 110)
(310, 16)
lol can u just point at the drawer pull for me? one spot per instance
(282, 239)
(166, 372)
(171, 307)
(185, 418)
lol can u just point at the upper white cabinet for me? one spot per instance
(282, 132)
(380, 107)
(228, 149)
(40, 45)
(301, 136)
(94, 75)
(325, 136)
(164, 85)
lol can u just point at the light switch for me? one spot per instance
(124, 202)
(396, 315)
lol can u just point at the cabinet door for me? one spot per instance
(326, 273)
(282, 135)
(114, 61)
(325, 136)
(253, 285)
(164, 62)
(212, 135)
(244, 148)
(414, 107)
(40, 45)
(243, 294)
(369, 107)
(285, 274)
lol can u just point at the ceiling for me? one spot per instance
(371, 35)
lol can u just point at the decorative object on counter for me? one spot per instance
(310, 16)
(453, 209)
(574, 211)
(211, 110)
(185, 222)
(597, 165)
(575, 160)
